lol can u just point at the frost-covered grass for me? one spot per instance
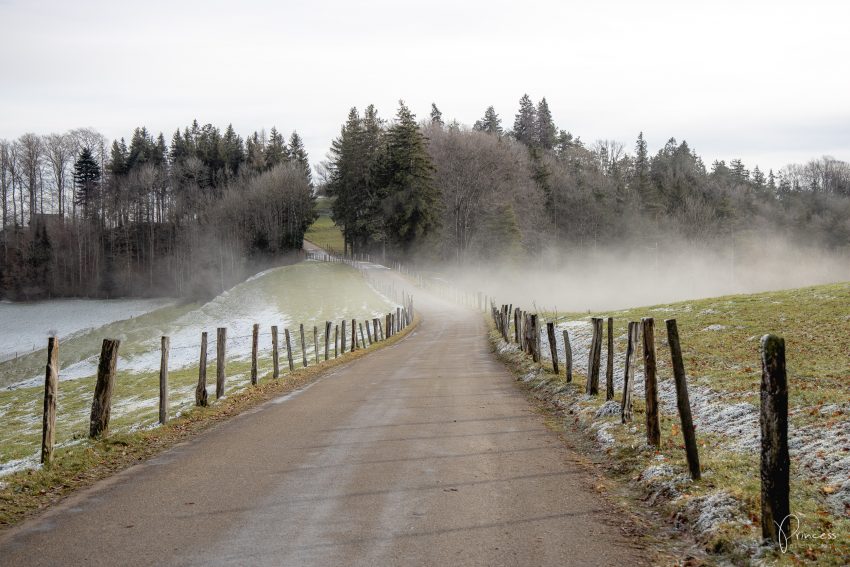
(720, 346)
(308, 293)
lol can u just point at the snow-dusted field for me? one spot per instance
(25, 327)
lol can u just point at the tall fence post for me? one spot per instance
(775, 465)
(682, 400)
(342, 338)
(275, 354)
(288, 349)
(255, 347)
(362, 338)
(303, 345)
(354, 341)
(327, 339)
(609, 362)
(628, 374)
(553, 345)
(368, 332)
(593, 365)
(220, 360)
(201, 389)
(568, 357)
(48, 421)
(336, 341)
(316, 343)
(102, 403)
(650, 382)
(163, 381)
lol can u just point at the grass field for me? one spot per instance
(720, 343)
(324, 232)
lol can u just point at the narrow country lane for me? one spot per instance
(423, 453)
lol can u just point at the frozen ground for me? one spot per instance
(25, 327)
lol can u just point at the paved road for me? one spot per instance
(424, 453)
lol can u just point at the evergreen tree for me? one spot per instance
(118, 158)
(255, 150)
(544, 127)
(525, 121)
(758, 178)
(405, 175)
(436, 115)
(298, 155)
(491, 123)
(86, 180)
(739, 172)
(771, 181)
(178, 151)
(276, 151)
(233, 150)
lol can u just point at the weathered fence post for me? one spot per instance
(362, 338)
(303, 345)
(628, 374)
(535, 338)
(255, 347)
(609, 362)
(220, 353)
(397, 319)
(682, 400)
(775, 466)
(650, 382)
(163, 381)
(327, 339)
(275, 354)
(342, 343)
(48, 420)
(336, 341)
(368, 332)
(102, 403)
(289, 349)
(201, 389)
(354, 342)
(568, 357)
(517, 325)
(553, 346)
(316, 343)
(593, 365)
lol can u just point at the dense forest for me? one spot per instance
(491, 192)
(189, 218)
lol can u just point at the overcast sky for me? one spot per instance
(765, 81)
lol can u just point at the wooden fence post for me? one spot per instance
(553, 346)
(609, 362)
(368, 332)
(327, 340)
(517, 326)
(288, 349)
(102, 403)
(568, 357)
(682, 400)
(163, 381)
(220, 353)
(342, 343)
(398, 319)
(275, 354)
(650, 382)
(48, 420)
(775, 465)
(354, 342)
(362, 338)
(336, 341)
(628, 374)
(303, 345)
(316, 343)
(593, 365)
(255, 347)
(201, 389)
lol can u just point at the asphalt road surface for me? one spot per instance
(423, 453)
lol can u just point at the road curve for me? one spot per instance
(424, 453)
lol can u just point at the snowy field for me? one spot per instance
(309, 292)
(25, 327)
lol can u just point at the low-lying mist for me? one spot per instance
(610, 278)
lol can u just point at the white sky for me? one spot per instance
(767, 81)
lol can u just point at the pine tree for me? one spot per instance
(86, 180)
(739, 172)
(758, 178)
(298, 155)
(405, 175)
(771, 181)
(525, 121)
(233, 150)
(436, 115)
(491, 123)
(255, 152)
(642, 168)
(544, 127)
(118, 158)
(275, 151)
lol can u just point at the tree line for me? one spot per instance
(489, 192)
(188, 218)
